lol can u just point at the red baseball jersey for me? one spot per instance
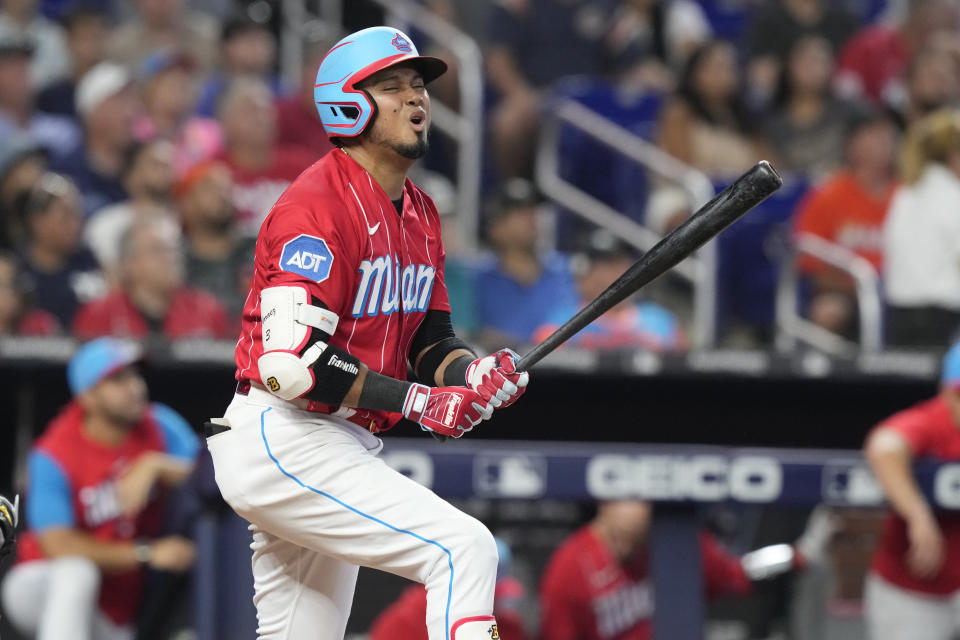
(587, 594)
(193, 313)
(336, 233)
(90, 470)
(931, 432)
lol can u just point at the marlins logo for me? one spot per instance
(401, 44)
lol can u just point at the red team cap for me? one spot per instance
(345, 110)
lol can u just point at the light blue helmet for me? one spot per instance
(344, 110)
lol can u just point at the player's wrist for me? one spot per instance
(143, 552)
(383, 393)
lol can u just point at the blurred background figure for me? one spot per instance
(707, 124)
(61, 272)
(162, 25)
(147, 175)
(22, 162)
(98, 476)
(406, 617)
(19, 19)
(914, 584)
(17, 317)
(921, 238)
(932, 81)
(151, 298)
(298, 122)
(632, 323)
(665, 31)
(517, 287)
(107, 106)
(849, 209)
(219, 259)
(262, 169)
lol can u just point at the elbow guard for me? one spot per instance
(297, 359)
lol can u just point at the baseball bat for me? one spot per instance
(727, 207)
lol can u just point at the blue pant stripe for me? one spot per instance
(263, 435)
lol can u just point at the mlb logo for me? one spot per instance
(307, 256)
(850, 484)
(510, 475)
(401, 43)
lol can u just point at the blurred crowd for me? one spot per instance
(142, 143)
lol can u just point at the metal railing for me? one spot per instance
(699, 269)
(463, 126)
(792, 326)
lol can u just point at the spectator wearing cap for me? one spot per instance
(298, 121)
(169, 85)
(147, 174)
(518, 288)
(247, 48)
(161, 25)
(87, 28)
(22, 162)
(107, 106)
(18, 114)
(19, 19)
(921, 236)
(17, 316)
(914, 581)
(262, 169)
(219, 259)
(98, 478)
(632, 323)
(151, 298)
(848, 209)
(61, 273)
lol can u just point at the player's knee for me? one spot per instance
(479, 545)
(81, 574)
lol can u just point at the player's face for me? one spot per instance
(626, 523)
(403, 111)
(120, 398)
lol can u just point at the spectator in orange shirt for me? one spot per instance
(849, 210)
(152, 298)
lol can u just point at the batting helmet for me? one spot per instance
(345, 110)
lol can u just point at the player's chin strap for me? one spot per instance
(297, 358)
(475, 628)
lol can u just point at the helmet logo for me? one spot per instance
(401, 43)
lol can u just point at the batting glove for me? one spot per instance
(496, 379)
(9, 516)
(449, 411)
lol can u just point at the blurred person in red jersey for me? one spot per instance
(107, 104)
(404, 619)
(298, 122)
(849, 209)
(873, 62)
(87, 28)
(261, 168)
(913, 589)
(148, 179)
(22, 162)
(707, 124)
(61, 273)
(632, 323)
(165, 24)
(921, 236)
(16, 315)
(97, 481)
(152, 298)
(219, 259)
(597, 583)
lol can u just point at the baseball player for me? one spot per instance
(913, 588)
(347, 291)
(9, 517)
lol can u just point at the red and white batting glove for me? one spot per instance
(449, 411)
(496, 379)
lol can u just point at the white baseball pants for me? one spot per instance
(321, 503)
(893, 613)
(56, 599)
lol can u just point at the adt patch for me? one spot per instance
(307, 256)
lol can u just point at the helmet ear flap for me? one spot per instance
(373, 110)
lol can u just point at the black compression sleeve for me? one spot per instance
(435, 327)
(455, 375)
(383, 393)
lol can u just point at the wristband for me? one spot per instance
(143, 552)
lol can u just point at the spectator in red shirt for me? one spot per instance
(152, 297)
(913, 587)
(262, 169)
(298, 122)
(872, 63)
(849, 210)
(597, 584)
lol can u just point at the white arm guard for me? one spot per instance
(287, 318)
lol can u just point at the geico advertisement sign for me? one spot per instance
(699, 477)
